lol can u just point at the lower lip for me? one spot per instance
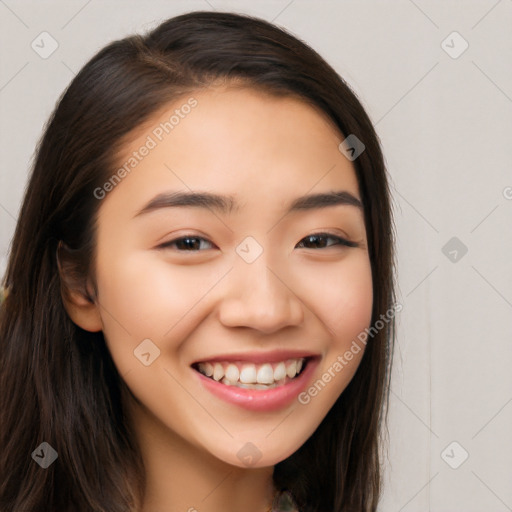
(261, 399)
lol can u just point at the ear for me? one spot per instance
(77, 295)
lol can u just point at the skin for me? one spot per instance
(195, 304)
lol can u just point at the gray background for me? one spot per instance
(445, 123)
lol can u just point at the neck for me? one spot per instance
(184, 477)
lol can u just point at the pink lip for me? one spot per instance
(273, 356)
(261, 400)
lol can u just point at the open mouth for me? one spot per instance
(253, 376)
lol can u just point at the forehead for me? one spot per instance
(238, 141)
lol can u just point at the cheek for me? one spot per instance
(351, 303)
(342, 295)
(344, 302)
(143, 298)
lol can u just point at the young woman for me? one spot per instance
(200, 287)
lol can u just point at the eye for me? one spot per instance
(316, 239)
(186, 243)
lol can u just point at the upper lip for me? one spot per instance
(273, 356)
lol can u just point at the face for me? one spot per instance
(221, 312)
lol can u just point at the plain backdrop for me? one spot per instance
(436, 79)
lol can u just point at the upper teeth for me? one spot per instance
(249, 373)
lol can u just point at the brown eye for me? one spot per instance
(317, 241)
(186, 243)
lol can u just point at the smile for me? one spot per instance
(250, 375)
(257, 382)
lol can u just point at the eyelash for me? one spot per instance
(340, 241)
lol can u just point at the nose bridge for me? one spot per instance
(259, 297)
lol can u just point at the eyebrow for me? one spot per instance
(226, 204)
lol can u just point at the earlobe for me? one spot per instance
(78, 300)
(82, 310)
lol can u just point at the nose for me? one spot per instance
(260, 298)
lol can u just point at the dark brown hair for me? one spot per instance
(58, 382)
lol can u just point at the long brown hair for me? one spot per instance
(58, 382)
